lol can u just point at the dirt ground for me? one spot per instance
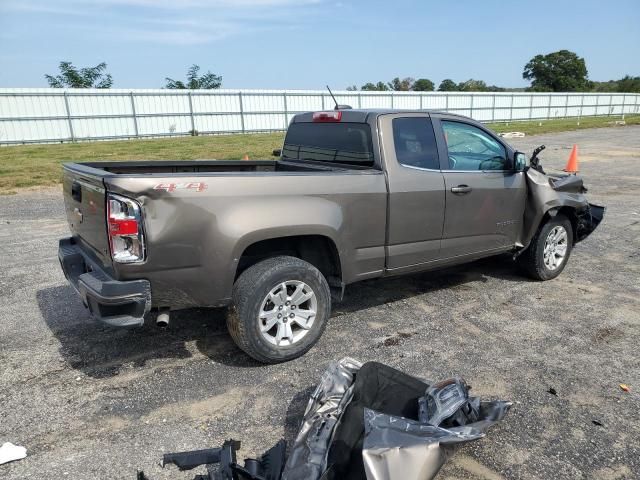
(92, 402)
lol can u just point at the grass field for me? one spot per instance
(39, 165)
(561, 125)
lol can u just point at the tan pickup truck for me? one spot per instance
(353, 194)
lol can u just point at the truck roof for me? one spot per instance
(361, 115)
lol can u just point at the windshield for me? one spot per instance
(329, 142)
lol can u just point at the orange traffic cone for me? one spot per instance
(572, 164)
(246, 157)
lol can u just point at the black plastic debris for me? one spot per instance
(448, 404)
(268, 467)
(190, 460)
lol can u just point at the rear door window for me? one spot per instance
(340, 142)
(415, 142)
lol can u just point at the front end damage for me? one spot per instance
(588, 219)
(548, 195)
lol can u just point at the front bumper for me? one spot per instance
(116, 303)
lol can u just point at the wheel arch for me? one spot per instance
(569, 212)
(534, 220)
(318, 249)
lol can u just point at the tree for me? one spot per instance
(423, 85)
(375, 87)
(448, 85)
(609, 86)
(472, 85)
(403, 85)
(629, 84)
(72, 77)
(207, 81)
(561, 71)
(352, 88)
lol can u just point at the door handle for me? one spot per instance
(76, 192)
(461, 189)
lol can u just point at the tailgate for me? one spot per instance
(84, 200)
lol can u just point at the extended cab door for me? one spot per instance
(485, 197)
(416, 190)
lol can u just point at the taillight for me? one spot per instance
(124, 227)
(333, 116)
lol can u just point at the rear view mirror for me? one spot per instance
(277, 152)
(519, 161)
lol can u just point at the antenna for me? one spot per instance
(334, 99)
(337, 107)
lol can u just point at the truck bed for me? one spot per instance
(199, 217)
(147, 167)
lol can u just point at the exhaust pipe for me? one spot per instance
(162, 320)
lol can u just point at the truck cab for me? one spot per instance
(455, 191)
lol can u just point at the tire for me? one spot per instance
(533, 258)
(252, 312)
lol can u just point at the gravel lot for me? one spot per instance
(92, 402)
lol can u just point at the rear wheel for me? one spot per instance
(549, 250)
(280, 309)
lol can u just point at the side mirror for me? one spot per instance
(519, 161)
(277, 152)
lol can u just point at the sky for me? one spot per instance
(306, 44)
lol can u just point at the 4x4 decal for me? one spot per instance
(172, 187)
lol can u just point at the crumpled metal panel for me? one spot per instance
(396, 447)
(541, 198)
(308, 458)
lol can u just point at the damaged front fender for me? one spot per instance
(548, 195)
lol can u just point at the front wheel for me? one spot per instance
(280, 309)
(549, 250)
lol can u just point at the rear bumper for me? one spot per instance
(116, 303)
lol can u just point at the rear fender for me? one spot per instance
(278, 217)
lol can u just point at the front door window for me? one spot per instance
(470, 148)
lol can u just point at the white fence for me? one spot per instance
(52, 115)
